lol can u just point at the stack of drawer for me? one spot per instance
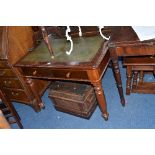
(14, 44)
(11, 84)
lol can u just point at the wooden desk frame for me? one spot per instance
(91, 72)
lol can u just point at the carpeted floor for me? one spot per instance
(138, 112)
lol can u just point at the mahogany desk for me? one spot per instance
(125, 42)
(87, 63)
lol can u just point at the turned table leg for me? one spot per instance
(38, 105)
(101, 98)
(117, 75)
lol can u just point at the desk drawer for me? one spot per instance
(4, 64)
(7, 73)
(16, 95)
(52, 73)
(10, 83)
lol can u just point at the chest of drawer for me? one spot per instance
(55, 73)
(7, 73)
(10, 83)
(16, 95)
(4, 64)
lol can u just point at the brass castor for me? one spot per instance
(42, 105)
(105, 116)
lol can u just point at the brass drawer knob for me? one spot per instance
(17, 94)
(7, 82)
(68, 75)
(2, 73)
(35, 72)
(14, 94)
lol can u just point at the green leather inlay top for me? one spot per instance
(84, 50)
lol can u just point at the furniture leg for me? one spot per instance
(101, 98)
(141, 76)
(116, 71)
(11, 108)
(38, 105)
(135, 79)
(128, 81)
(47, 41)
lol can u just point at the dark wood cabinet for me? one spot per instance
(14, 44)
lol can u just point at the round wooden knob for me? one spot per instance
(35, 72)
(2, 73)
(68, 75)
(17, 94)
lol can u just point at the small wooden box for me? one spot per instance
(74, 98)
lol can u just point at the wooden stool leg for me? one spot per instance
(128, 81)
(11, 108)
(135, 79)
(141, 76)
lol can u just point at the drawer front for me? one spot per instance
(4, 64)
(16, 95)
(10, 83)
(7, 73)
(58, 74)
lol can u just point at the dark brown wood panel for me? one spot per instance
(16, 95)
(50, 73)
(10, 83)
(4, 64)
(7, 73)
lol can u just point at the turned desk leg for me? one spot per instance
(38, 105)
(117, 75)
(101, 99)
